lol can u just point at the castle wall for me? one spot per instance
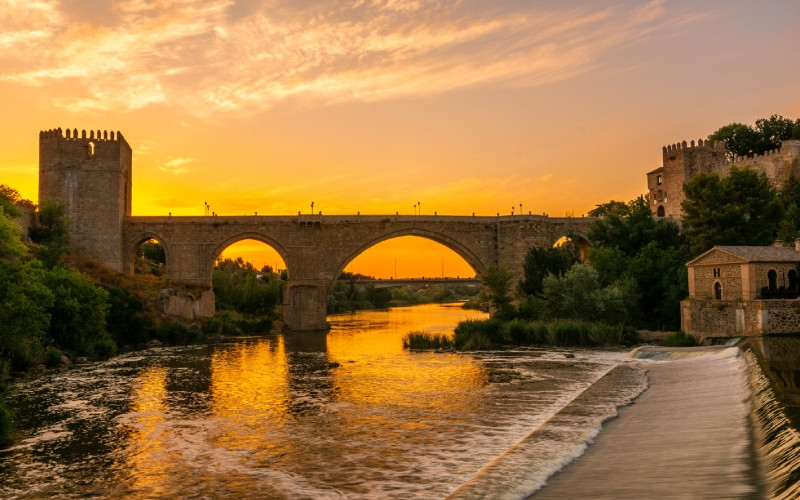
(682, 160)
(90, 174)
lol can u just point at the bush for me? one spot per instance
(233, 323)
(679, 339)
(426, 340)
(517, 332)
(175, 332)
(566, 332)
(52, 357)
(480, 334)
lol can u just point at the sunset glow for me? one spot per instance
(374, 106)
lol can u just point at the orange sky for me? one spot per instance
(369, 105)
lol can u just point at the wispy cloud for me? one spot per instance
(213, 55)
(176, 166)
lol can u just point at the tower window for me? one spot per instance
(659, 180)
(90, 149)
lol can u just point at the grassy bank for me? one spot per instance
(495, 333)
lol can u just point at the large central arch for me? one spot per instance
(249, 235)
(460, 249)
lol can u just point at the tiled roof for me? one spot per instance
(760, 254)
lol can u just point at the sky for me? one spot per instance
(372, 106)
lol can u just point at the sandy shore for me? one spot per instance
(686, 436)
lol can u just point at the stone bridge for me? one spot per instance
(91, 174)
(317, 248)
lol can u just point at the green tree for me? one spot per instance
(10, 200)
(539, 262)
(498, 282)
(578, 295)
(237, 287)
(52, 233)
(630, 226)
(743, 140)
(78, 313)
(24, 318)
(643, 257)
(742, 208)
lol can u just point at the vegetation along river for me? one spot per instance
(348, 414)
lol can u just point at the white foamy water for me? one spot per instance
(687, 436)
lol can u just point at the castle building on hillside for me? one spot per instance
(681, 161)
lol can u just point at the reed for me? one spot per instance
(426, 340)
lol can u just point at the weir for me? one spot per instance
(92, 177)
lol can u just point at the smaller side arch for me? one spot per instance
(133, 245)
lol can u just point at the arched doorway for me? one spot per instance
(772, 280)
(717, 290)
(660, 211)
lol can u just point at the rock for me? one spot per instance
(65, 361)
(81, 360)
(569, 355)
(154, 343)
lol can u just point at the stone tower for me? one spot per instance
(91, 175)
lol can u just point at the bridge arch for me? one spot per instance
(456, 246)
(135, 242)
(578, 238)
(249, 235)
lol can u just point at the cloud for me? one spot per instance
(216, 55)
(176, 166)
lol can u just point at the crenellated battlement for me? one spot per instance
(73, 135)
(671, 149)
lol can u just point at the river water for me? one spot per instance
(348, 414)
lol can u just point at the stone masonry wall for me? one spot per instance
(734, 318)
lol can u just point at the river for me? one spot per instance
(348, 414)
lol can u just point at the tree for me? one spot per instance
(742, 208)
(78, 313)
(630, 226)
(52, 233)
(643, 258)
(578, 295)
(539, 262)
(498, 282)
(743, 140)
(10, 201)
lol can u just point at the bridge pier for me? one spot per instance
(305, 304)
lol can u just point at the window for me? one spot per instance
(660, 211)
(90, 149)
(659, 180)
(717, 272)
(772, 278)
(717, 290)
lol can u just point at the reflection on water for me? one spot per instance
(308, 415)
